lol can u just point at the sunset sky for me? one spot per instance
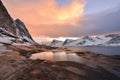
(71, 18)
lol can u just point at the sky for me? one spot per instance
(67, 18)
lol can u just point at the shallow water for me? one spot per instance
(61, 56)
(57, 56)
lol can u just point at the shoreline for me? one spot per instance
(15, 65)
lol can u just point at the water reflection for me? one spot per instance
(43, 55)
(61, 56)
(56, 56)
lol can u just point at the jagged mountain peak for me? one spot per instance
(56, 43)
(6, 22)
(12, 31)
(88, 38)
(102, 40)
(23, 31)
(68, 41)
(112, 35)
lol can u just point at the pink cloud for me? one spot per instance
(39, 13)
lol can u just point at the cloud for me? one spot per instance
(100, 23)
(45, 11)
(42, 17)
(46, 17)
(93, 24)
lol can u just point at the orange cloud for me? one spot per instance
(45, 12)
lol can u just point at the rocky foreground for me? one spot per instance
(16, 65)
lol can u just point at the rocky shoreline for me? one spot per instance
(17, 45)
(16, 65)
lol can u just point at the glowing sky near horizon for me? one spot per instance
(58, 17)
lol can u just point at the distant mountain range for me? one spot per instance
(103, 40)
(12, 31)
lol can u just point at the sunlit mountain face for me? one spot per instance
(67, 18)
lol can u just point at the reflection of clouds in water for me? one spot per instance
(56, 56)
(49, 55)
(61, 56)
(74, 57)
(42, 55)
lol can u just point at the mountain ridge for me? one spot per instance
(13, 31)
(102, 40)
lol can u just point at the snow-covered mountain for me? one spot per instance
(56, 43)
(115, 40)
(102, 40)
(12, 31)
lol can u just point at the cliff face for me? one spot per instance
(15, 30)
(21, 31)
(6, 22)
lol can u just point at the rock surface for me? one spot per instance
(12, 31)
(6, 22)
(16, 65)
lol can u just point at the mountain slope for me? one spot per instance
(12, 31)
(22, 31)
(6, 22)
(56, 43)
(103, 40)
